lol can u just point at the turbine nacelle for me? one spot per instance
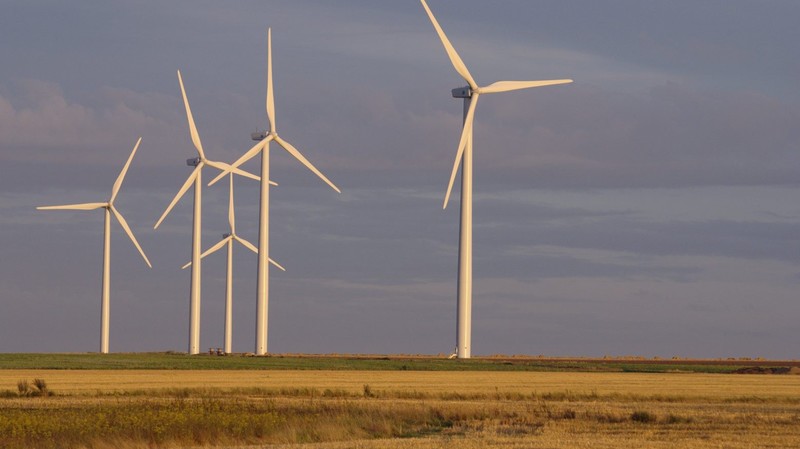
(259, 136)
(193, 162)
(462, 92)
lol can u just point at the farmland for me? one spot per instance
(181, 361)
(394, 407)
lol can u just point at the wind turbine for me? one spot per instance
(262, 292)
(196, 177)
(470, 94)
(109, 209)
(228, 240)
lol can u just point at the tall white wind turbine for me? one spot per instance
(196, 177)
(262, 292)
(470, 94)
(228, 240)
(109, 210)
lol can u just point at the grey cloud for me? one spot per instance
(43, 126)
(721, 238)
(669, 136)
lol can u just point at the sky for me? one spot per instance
(650, 208)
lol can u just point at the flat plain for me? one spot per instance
(387, 403)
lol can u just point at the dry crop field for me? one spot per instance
(398, 409)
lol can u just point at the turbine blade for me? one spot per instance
(270, 92)
(128, 231)
(244, 242)
(231, 214)
(505, 86)
(251, 153)
(223, 166)
(276, 264)
(180, 194)
(245, 173)
(211, 250)
(458, 64)
(294, 152)
(190, 118)
(219, 176)
(83, 206)
(252, 248)
(462, 145)
(216, 247)
(118, 182)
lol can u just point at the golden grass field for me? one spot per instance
(684, 385)
(401, 409)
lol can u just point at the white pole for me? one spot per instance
(464, 328)
(229, 300)
(105, 299)
(194, 293)
(262, 292)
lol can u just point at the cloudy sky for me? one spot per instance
(649, 208)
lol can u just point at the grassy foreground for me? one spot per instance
(399, 409)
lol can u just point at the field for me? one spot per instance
(391, 404)
(181, 361)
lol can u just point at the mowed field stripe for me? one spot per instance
(687, 385)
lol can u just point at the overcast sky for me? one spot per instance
(650, 208)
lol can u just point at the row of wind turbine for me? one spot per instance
(227, 240)
(196, 178)
(464, 158)
(262, 147)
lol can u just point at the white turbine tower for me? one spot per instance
(470, 95)
(109, 209)
(228, 240)
(196, 178)
(262, 292)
